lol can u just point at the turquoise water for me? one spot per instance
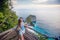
(42, 31)
(51, 39)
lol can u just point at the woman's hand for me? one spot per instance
(26, 25)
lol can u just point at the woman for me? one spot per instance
(21, 28)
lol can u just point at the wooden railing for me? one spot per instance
(11, 34)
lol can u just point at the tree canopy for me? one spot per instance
(8, 18)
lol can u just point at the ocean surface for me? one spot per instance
(47, 18)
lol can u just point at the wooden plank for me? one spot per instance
(12, 35)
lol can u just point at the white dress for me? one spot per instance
(22, 29)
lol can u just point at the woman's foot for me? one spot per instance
(19, 39)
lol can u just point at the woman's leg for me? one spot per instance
(22, 37)
(19, 37)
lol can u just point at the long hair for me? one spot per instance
(19, 22)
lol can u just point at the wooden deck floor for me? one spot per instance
(12, 35)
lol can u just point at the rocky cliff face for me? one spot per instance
(30, 19)
(12, 35)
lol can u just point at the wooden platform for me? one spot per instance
(11, 34)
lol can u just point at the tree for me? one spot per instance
(8, 18)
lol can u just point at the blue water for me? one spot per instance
(51, 39)
(42, 31)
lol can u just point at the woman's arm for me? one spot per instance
(26, 25)
(17, 28)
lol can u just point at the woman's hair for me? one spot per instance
(19, 21)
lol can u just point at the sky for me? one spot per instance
(47, 11)
(32, 5)
(38, 1)
(35, 3)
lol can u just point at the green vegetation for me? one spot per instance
(30, 18)
(8, 18)
(42, 37)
